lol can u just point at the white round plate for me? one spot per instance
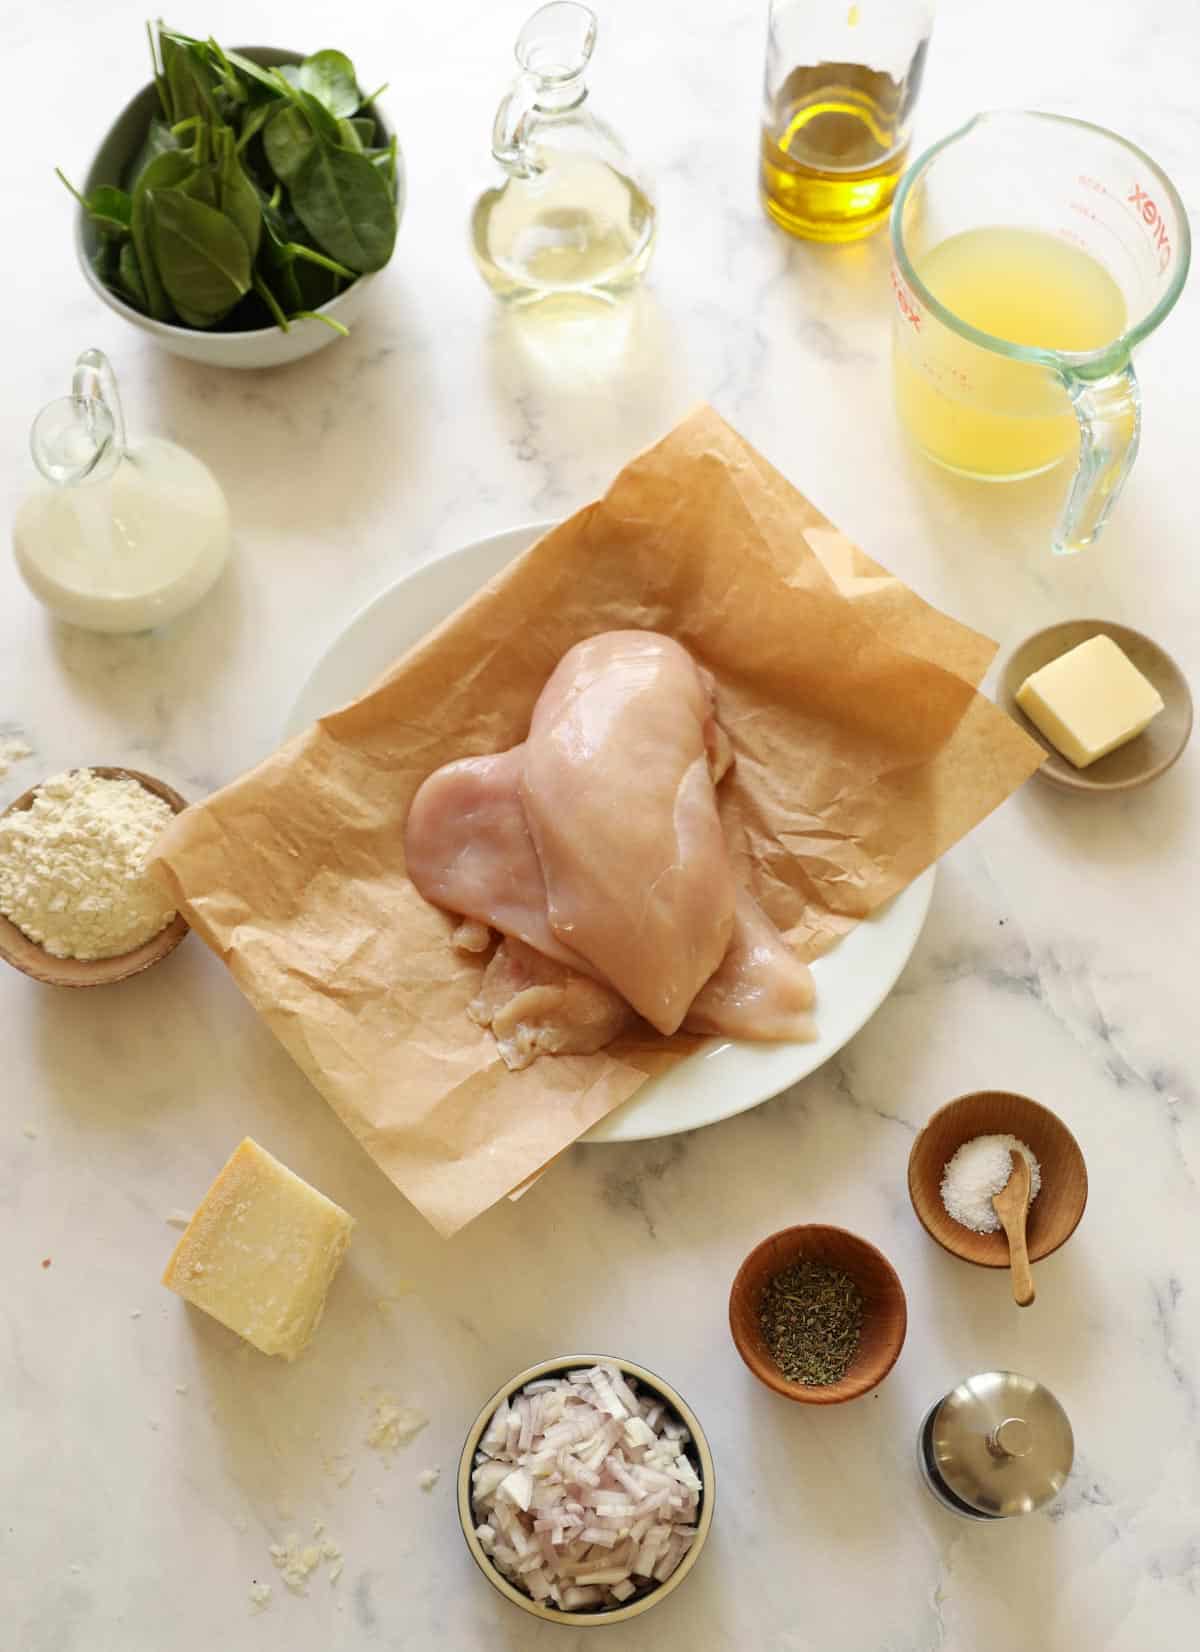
(724, 1078)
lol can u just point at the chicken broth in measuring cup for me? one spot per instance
(1025, 286)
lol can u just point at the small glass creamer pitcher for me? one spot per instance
(1031, 253)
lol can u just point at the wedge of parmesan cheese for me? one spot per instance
(260, 1253)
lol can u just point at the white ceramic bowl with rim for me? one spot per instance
(697, 1450)
(262, 347)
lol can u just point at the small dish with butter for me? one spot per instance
(1111, 708)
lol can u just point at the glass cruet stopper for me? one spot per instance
(553, 49)
(81, 437)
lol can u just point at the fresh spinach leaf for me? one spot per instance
(328, 320)
(324, 125)
(160, 83)
(202, 259)
(329, 77)
(163, 172)
(272, 303)
(238, 198)
(288, 140)
(189, 79)
(346, 206)
(255, 71)
(387, 161)
(349, 136)
(129, 277)
(256, 118)
(228, 77)
(109, 208)
(201, 185)
(159, 139)
(364, 129)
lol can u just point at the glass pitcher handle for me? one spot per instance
(513, 129)
(95, 381)
(1109, 411)
(81, 437)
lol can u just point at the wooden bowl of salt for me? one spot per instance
(33, 960)
(1053, 1215)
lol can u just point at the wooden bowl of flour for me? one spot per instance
(33, 960)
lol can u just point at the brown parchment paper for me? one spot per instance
(862, 753)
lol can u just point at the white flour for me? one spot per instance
(12, 750)
(73, 866)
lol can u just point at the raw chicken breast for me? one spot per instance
(618, 795)
(535, 1006)
(761, 990)
(469, 850)
(596, 849)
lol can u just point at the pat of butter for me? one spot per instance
(260, 1253)
(1089, 701)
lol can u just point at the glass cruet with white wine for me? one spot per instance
(572, 221)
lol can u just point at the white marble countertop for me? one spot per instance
(149, 1460)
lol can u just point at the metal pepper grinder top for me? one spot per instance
(999, 1444)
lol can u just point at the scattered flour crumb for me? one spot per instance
(12, 750)
(428, 1478)
(339, 1467)
(181, 1388)
(394, 1425)
(76, 1569)
(136, 1313)
(260, 1596)
(28, 1130)
(297, 1560)
(177, 1218)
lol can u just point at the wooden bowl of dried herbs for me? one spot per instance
(818, 1314)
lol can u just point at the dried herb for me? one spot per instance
(811, 1318)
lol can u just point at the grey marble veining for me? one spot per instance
(149, 1459)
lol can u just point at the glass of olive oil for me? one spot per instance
(842, 78)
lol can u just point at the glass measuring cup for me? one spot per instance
(1075, 215)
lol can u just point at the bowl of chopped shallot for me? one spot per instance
(585, 1490)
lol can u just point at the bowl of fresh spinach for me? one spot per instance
(242, 202)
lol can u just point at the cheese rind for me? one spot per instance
(1089, 701)
(260, 1253)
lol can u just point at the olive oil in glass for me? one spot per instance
(830, 162)
(841, 83)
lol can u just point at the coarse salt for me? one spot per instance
(980, 1168)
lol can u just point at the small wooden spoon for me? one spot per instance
(1011, 1205)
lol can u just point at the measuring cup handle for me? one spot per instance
(1109, 410)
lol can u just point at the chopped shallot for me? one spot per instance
(585, 1491)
